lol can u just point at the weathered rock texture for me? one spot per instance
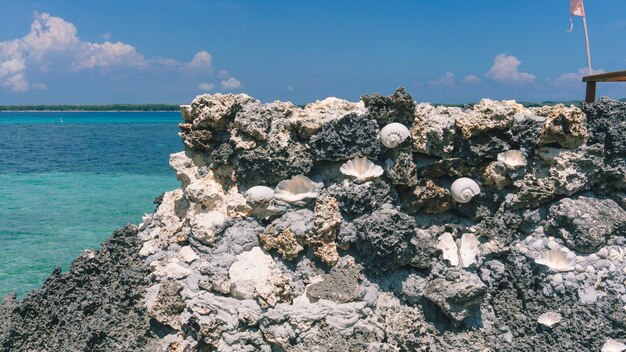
(358, 268)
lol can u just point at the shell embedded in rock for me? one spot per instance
(613, 346)
(393, 134)
(469, 249)
(549, 319)
(464, 189)
(448, 246)
(258, 194)
(295, 189)
(555, 259)
(512, 159)
(361, 169)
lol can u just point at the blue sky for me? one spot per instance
(169, 51)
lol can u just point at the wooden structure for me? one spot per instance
(590, 95)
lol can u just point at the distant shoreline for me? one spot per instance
(92, 108)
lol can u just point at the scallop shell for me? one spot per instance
(258, 194)
(613, 346)
(393, 134)
(361, 169)
(549, 319)
(555, 259)
(469, 249)
(295, 189)
(512, 159)
(464, 189)
(447, 245)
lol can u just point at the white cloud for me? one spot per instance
(202, 59)
(445, 81)
(230, 83)
(206, 86)
(49, 34)
(471, 79)
(574, 78)
(505, 70)
(16, 83)
(109, 54)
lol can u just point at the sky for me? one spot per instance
(169, 51)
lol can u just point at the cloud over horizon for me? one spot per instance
(54, 42)
(505, 70)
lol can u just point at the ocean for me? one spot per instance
(68, 180)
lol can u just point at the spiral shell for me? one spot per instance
(464, 189)
(258, 194)
(393, 134)
(295, 189)
(361, 169)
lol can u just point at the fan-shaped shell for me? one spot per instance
(549, 319)
(613, 346)
(512, 159)
(469, 249)
(393, 134)
(295, 189)
(555, 259)
(259, 194)
(464, 189)
(361, 169)
(448, 247)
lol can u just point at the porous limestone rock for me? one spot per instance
(315, 115)
(427, 197)
(342, 139)
(585, 223)
(487, 115)
(456, 294)
(565, 126)
(326, 222)
(398, 107)
(434, 132)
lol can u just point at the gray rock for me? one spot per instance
(586, 223)
(401, 170)
(398, 107)
(343, 139)
(456, 294)
(268, 165)
(384, 238)
(340, 285)
(358, 199)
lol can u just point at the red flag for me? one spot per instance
(576, 8)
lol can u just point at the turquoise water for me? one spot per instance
(65, 186)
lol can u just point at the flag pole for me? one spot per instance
(587, 43)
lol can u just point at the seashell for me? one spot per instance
(258, 194)
(447, 245)
(512, 159)
(464, 189)
(295, 189)
(393, 134)
(469, 249)
(361, 169)
(556, 259)
(617, 254)
(549, 319)
(613, 346)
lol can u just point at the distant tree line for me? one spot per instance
(105, 107)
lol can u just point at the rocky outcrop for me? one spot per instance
(370, 266)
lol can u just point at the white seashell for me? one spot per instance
(512, 159)
(258, 194)
(393, 134)
(613, 346)
(295, 189)
(447, 245)
(617, 254)
(464, 189)
(556, 259)
(469, 249)
(361, 169)
(549, 319)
